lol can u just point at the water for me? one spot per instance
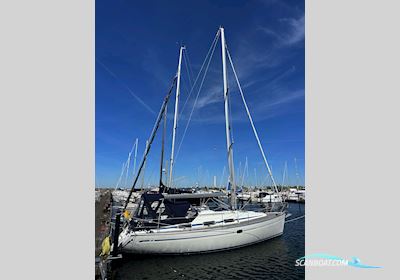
(272, 259)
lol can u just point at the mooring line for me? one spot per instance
(294, 219)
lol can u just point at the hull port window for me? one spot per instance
(185, 226)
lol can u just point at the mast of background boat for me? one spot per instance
(244, 171)
(227, 125)
(284, 174)
(178, 84)
(144, 167)
(127, 167)
(135, 155)
(297, 173)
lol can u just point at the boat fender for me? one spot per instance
(106, 246)
(127, 215)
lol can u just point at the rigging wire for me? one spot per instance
(120, 176)
(188, 61)
(208, 57)
(189, 86)
(186, 86)
(197, 97)
(187, 68)
(252, 125)
(198, 75)
(187, 82)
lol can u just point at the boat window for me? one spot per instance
(154, 204)
(228, 220)
(185, 226)
(209, 223)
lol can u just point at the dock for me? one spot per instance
(103, 207)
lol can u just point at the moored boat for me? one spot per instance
(169, 222)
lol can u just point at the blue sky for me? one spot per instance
(137, 45)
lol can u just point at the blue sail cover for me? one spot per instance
(173, 208)
(176, 208)
(148, 199)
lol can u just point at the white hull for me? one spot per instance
(244, 196)
(298, 196)
(271, 198)
(191, 240)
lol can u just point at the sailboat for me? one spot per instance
(169, 222)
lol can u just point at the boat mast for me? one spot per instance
(135, 155)
(227, 125)
(144, 167)
(284, 174)
(297, 173)
(244, 172)
(127, 166)
(178, 84)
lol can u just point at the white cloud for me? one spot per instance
(265, 106)
(295, 33)
(211, 95)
